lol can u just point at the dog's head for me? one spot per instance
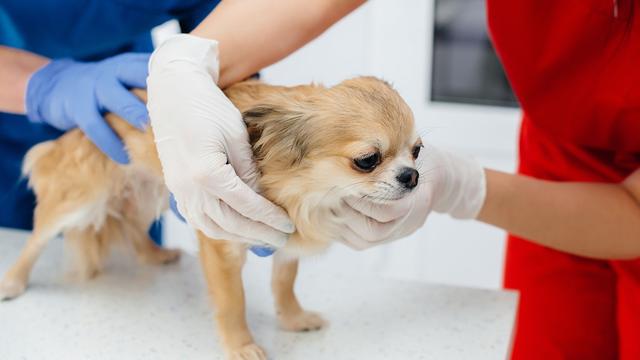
(315, 146)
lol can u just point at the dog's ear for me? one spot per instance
(277, 132)
(254, 116)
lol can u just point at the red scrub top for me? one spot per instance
(575, 68)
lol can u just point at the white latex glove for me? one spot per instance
(448, 183)
(204, 147)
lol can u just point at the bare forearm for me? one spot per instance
(586, 219)
(253, 34)
(16, 67)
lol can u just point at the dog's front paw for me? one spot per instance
(247, 352)
(11, 288)
(301, 321)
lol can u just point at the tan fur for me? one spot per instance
(305, 140)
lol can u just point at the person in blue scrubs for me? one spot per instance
(74, 60)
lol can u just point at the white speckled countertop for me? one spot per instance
(135, 312)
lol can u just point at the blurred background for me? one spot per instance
(437, 54)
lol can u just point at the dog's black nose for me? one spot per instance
(408, 177)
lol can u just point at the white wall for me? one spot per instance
(392, 39)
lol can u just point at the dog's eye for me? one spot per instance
(416, 151)
(368, 162)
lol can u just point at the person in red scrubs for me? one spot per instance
(575, 67)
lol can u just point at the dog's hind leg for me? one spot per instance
(147, 251)
(15, 280)
(90, 250)
(291, 315)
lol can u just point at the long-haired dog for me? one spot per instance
(314, 146)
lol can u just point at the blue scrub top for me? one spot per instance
(82, 30)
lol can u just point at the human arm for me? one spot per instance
(257, 33)
(16, 67)
(586, 219)
(596, 220)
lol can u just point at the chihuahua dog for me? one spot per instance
(314, 146)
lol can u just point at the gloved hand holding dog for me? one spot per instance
(204, 147)
(67, 94)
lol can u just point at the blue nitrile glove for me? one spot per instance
(67, 94)
(262, 251)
